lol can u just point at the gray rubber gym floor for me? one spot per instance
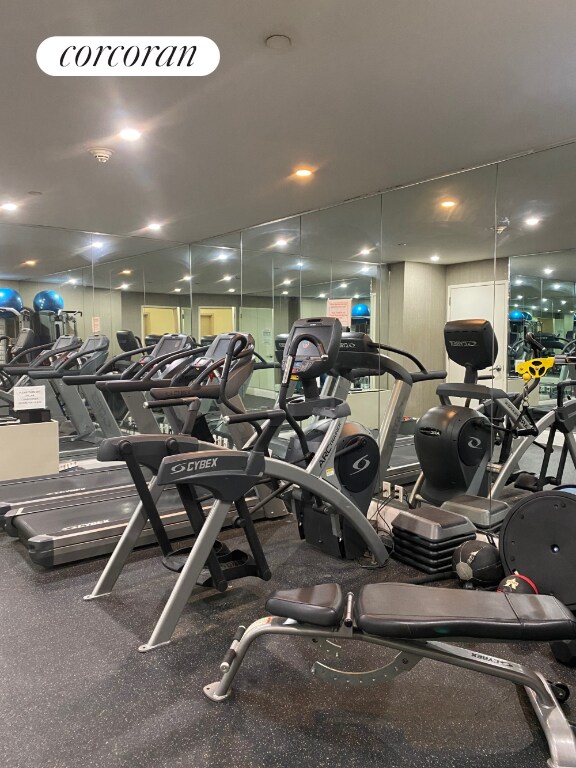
(75, 692)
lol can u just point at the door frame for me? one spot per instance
(232, 308)
(159, 306)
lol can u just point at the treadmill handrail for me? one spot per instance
(39, 361)
(158, 362)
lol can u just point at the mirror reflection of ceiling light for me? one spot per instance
(154, 226)
(130, 134)
(543, 300)
(72, 281)
(222, 256)
(284, 293)
(286, 282)
(124, 286)
(126, 272)
(364, 251)
(227, 278)
(343, 285)
(31, 263)
(562, 302)
(435, 258)
(365, 268)
(519, 297)
(299, 263)
(9, 207)
(556, 286)
(448, 204)
(532, 221)
(356, 296)
(548, 271)
(303, 172)
(533, 307)
(187, 278)
(281, 242)
(231, 290)
(177, 290)
(321, 295)
(517, 282)
(515, 305)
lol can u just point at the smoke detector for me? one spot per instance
(101, 154)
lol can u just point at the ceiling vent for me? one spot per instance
(101, 154)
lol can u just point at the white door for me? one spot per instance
(488, 301)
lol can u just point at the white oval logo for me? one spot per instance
(115, 56)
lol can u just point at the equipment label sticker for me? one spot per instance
(28, 398)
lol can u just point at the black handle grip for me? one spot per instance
(168, 403)
(239, 418)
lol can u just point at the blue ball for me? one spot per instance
(10, 299)
(516, 315)
(360, 310)
(48, 301)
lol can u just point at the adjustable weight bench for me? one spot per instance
(415, 621)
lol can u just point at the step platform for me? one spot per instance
(426, 537)
(485, 514)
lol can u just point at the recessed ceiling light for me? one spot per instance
(130, 134)
(125, 272)
(365, 268)
(321, 295)
(543, 300)
(227, 278)
(518, 282)
(187, 278)
(281, 242)
(177, 290)
(435, 258)
(284, 293)
(548, 271)
(519, 297)
(124, 286)
(286, 282)
(365, 251)
(556, 286)
(72, 281)
(31, 263)
(356, 296)
(532, 307)
(532, 221)
(299, 263)
(515, 305)
(343, 285)
(97, 244)
(562, 302)
(231, 290)
(303, 173)
(9, 207)
(448, 204)
(154, 226)
(222, 256)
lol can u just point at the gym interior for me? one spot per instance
(288, 348)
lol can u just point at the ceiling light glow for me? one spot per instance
(177, 290)
(532, 221)
(364, 251)
(31, 263)
(284, 293)
(286, 282)
(227, 278)
(231, 290)
(548, 271)
(281, 242)
(321, 295)
(125, 272)
(448, 204)
(343, 285)
(154, 226)
(130, 134)
(97, 244)
(303, 172)
(435, 258)
(9, 207)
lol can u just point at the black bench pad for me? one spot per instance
(322, 605)
(411, 611)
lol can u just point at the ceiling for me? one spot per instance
(372, 94)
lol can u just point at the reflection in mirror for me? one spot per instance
(537, 233)
(438, 241)
(215, 282)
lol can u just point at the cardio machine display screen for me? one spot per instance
(167, 346)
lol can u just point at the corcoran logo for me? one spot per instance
(194, 466)
(463, 343)
(115, 56)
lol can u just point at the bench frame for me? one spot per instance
(557, 730)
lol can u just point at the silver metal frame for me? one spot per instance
(557, 730)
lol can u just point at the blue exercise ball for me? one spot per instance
(516, 315)
(48, 301)
(10, 299)
(360, 310)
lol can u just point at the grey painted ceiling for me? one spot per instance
(374, 93)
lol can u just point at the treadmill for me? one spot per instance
(78, 482)
(93, 523)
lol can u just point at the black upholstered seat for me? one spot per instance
(322, 604)
(410, 611)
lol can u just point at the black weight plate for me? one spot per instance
(538, 539)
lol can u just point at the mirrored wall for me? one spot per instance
(496, 242)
